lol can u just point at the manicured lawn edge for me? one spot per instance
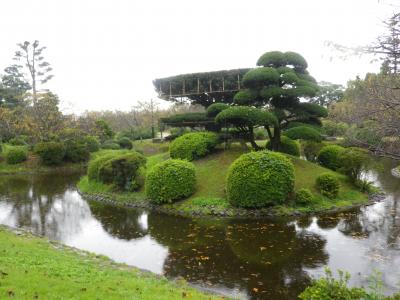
(34, 267)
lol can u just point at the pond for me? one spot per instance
(248, 259)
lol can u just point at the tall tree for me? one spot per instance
(278, 84)
(13, 86)
(31, 55)
(328, 94)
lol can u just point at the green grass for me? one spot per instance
(211, 172)
(148, 148)
(34, 268)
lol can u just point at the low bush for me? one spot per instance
(51, 153)
(95, 164)
(328, 156)
(122, 171)
(17, 141)
(260, 134)
(353, 161)
(76, 152)
(92, 143)
(214, 109)
(259, 179)
(333, 128)
(311, 150)
(193, 145)
(303, 133)
(288, 146)
(110, 145)
(125, 143)
(170, 180)
(328, 185)
(304, 197)
(15, 155)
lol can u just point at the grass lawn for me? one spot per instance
(34, 268)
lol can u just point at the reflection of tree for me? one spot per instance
(304, 221)
(265, 260)
(38, 203)
(328, 221)
(118, 221)
(355, 224)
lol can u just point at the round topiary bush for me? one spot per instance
(288, 146)
(303, 133)
(170, 180)
(311, 150)
(328, 185)
(95, 164)
(328, 156)
(111, 145)
(123, 171)
(125, 143)
(259, 179)
(51, 153)
(17, 141)
(76, 152)
(304, 196)
(92, 143)
(16, 155)
(193, 145)
(214, 109)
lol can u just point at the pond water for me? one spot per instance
(248, 259)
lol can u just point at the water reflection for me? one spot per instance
(259, 259)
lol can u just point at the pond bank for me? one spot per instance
(176, 209)
(34, 267)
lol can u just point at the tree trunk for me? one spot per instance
(252, 140)
(276, 140)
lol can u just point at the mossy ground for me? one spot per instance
(210, 199)
(34, 268)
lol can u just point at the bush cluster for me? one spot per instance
(51, 153)
(92, 143)
(303, 133)
(287, 145)
(15, 155)
(304, 196)
(311, 150)
(170, 180)
(110, 145)
(17, 141)
(122, 170)
(328, 185)
(353, 161)
(76, 152)
(125, 143)
(193, 145)
(329, 157)
(259, 179)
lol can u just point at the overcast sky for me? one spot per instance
(105, 53)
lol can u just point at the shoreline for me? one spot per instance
(237, 212)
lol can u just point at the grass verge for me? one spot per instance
(34, 268)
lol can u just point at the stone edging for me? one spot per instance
(237, 213)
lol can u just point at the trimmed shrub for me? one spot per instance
(353, 161)
(193, 145)
(303, 133)
(16, 155)
(214, 109)
(51, 153)
(95, 164)
(304, 196)
(311, 150)
(259, 179)
(92, 143)
(123, 171)
(76, 152)
(288, 146)
(260, 134)
(170, 180)
(125, 143)
(328, 185)
(17, 141)
(110, 145)
(334, 128)
(329, 156)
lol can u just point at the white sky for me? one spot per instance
(105, 53)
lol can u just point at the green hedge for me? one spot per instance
(328, 156)
(15, 155)
(193, 145)
(287, 145)
(122, 171)
(170, 180)
(304, 196)
(51, 153)
(125, 143)
(92, 143)
(328, 185)
(111, 145)
(259, 179)
(303, 133)
(95, 164)
(76, 152)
